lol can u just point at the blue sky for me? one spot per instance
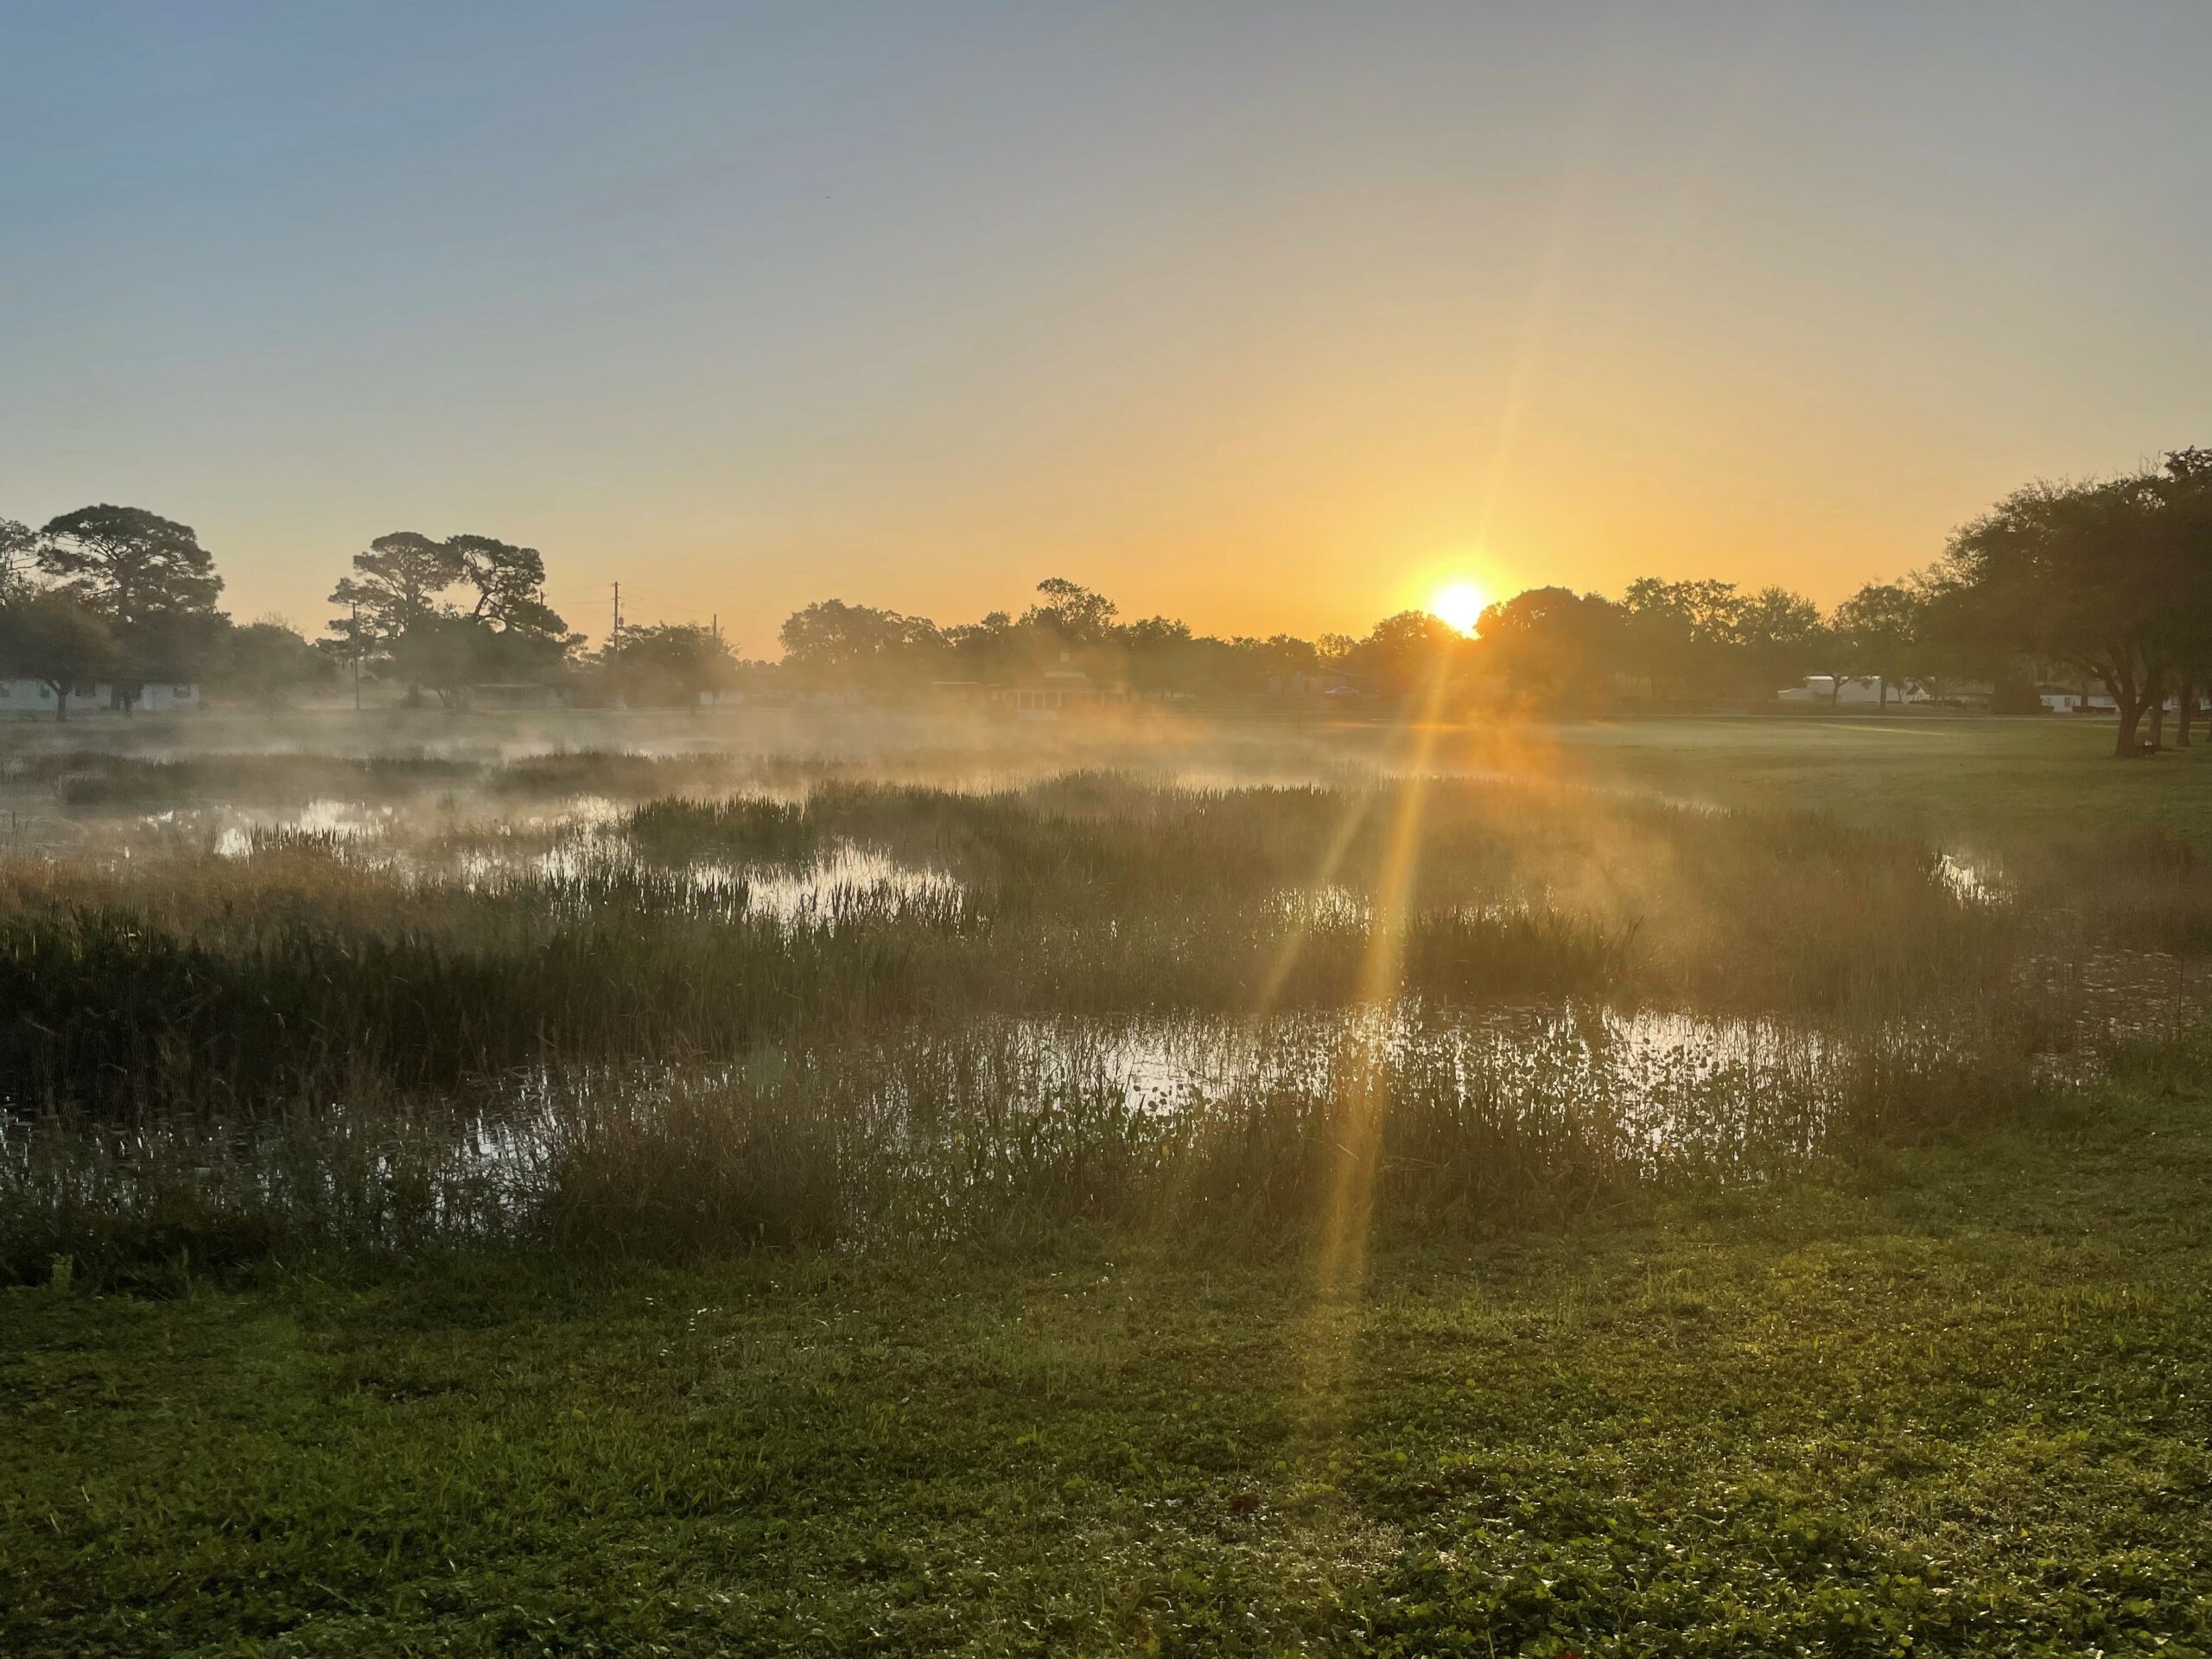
(1273, 316)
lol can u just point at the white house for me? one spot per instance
(1868, 691)
(2060, 700)
(1061, 686)
(162, 697)
(155, 697)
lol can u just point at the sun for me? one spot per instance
(1459, 603)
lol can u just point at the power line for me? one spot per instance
(668, 604)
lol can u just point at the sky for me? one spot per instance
(1269, 317)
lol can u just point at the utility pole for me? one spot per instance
(615, 651)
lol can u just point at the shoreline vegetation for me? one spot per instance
(1717, 1187)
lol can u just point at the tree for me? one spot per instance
(1333, 651)
(1780, 640)
(1078, 616)
(2184, 490)
(57, 639)
(1881, 631)
(394, 588)
(2085, 574)
(19, 546)
(1552, 645)
(147, 578)
(1157, 652)
(672, 664)
(446, 654)
(266, 661)
(129, 565)
(1683, 636)
(980, 649)
(1409, 653)
(832, 644)
(396, 615)
(510, 583)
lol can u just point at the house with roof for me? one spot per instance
(27, 698)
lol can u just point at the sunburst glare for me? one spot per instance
(1459, 603)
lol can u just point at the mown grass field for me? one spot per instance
(1946, 1392)
(1980, 779)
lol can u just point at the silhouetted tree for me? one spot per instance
(1780, 640)
(147, 579)
(266, 661)
(1076, 615)
(1881, 631)
(831, 644)
(510, 583)
(19, 546)
(395, 585)
(1684, 637)
(57, 639)
(2185, 489)
(395, 615)
(2083, 575)
(1157, 652)
(671, 664)
(1410, 653)
(1554, 647)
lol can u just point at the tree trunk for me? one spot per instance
(2157, 725)
(2188, 707)
(60, 703)
(2130, 704)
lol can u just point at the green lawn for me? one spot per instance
(1971, 779)
(1958, 1398)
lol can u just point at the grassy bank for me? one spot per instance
(1944, 1401)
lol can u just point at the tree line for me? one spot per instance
(2105, 582)
(1688, 643)
(127, 598)
(2108, 580)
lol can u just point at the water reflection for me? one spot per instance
(843, 883)
(1969, 882)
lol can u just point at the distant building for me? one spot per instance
(1062, 687)
(2073, 700)
(25, 698)
(1866, 690)
(163, 697)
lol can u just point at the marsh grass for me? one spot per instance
(810, 1014)
(1000, 1134)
